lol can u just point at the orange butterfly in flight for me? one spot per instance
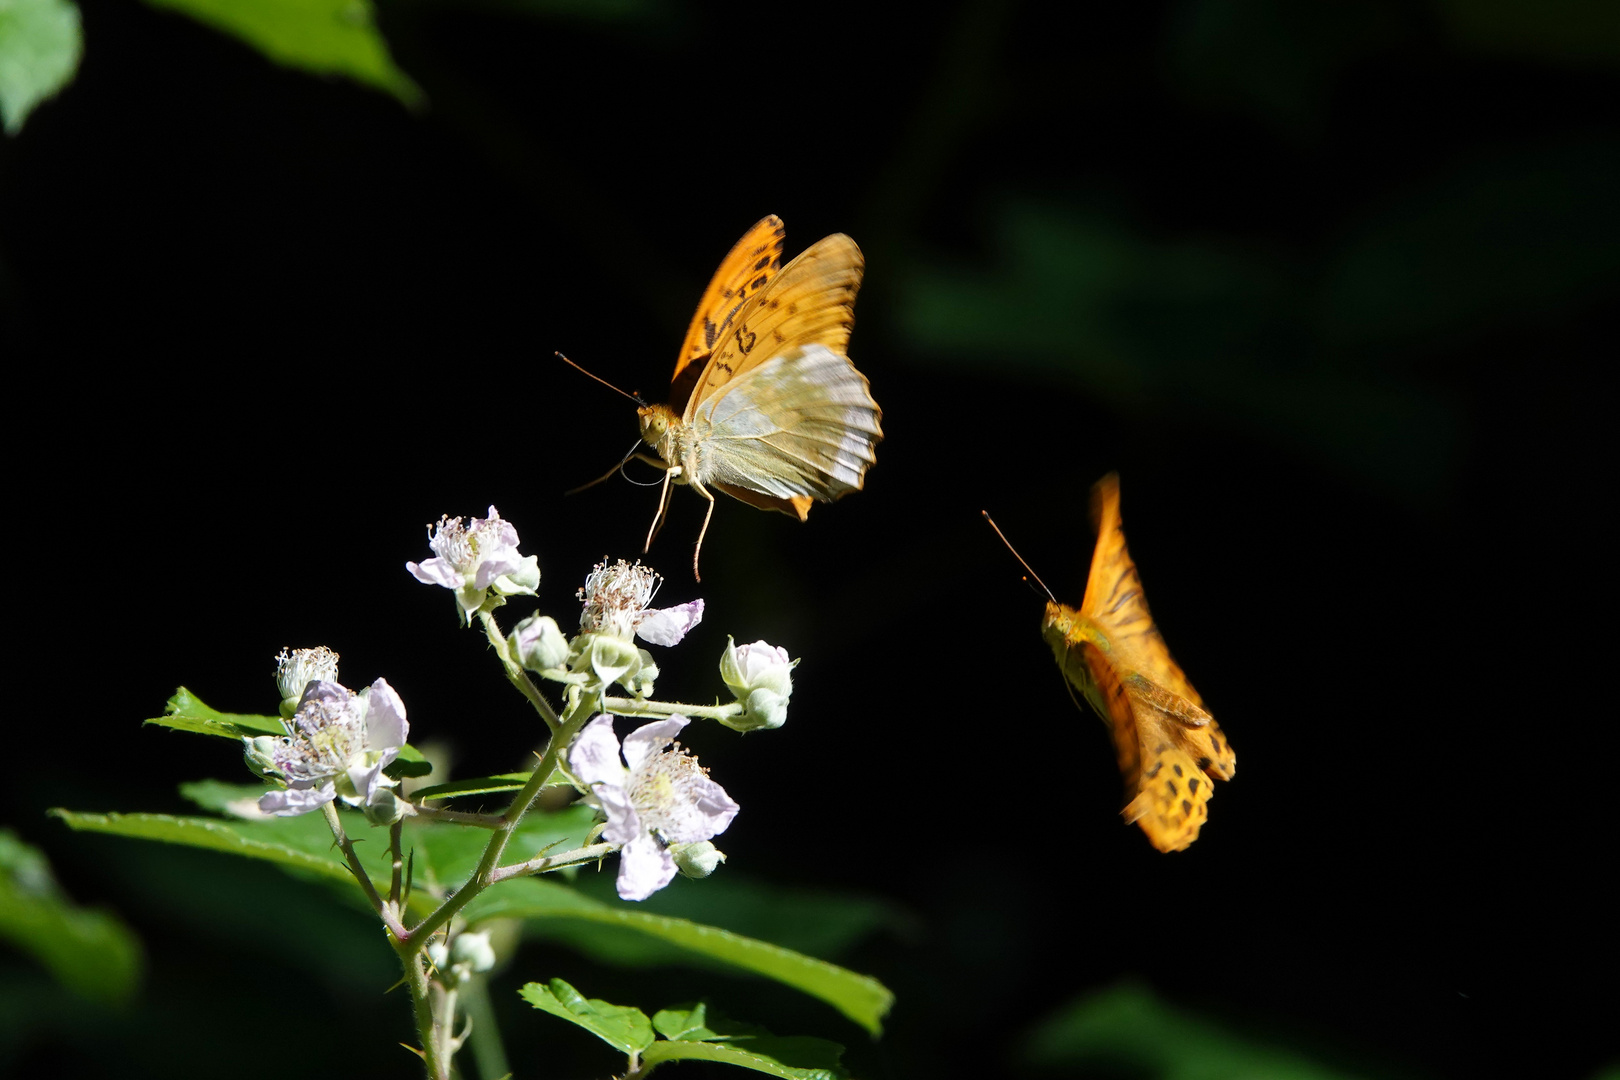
(765, 404)
(1169, 748)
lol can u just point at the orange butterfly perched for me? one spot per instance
(765, 404)
(1112, 652)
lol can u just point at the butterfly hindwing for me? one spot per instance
(802, 423)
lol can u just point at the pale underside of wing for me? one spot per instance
(811, 302)
(1114, 599)
(803, 423)
(743, 273)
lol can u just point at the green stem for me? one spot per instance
(579, 711)
(410, 957)
(397, 878)
(347, 846)
(515, 673)
(641, 707)
(460, 817)
(487, 1048)
(541, 863)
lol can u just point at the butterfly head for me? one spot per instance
(655, 422)
(1057, 622)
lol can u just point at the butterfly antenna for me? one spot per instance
(622, 463)
(605, 383)
(991, 521)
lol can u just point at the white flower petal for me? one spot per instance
(594, 757)
(623, 823)
(436, 572)
(666, 626)
(644, 868)
(648, 739)
(386, 726)
(297, 800)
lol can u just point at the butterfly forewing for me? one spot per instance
(750, 265)
(811, 302)
(1114, 599)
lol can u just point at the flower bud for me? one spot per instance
(385, 807)
(760, 676)
(297, 668)
(474, 950)
(697, 860)
(259, 753)
(539, 644)
(438, 954)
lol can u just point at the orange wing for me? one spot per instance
(811, 302)
(1114, 598)
(1169, 748)
(745, 270)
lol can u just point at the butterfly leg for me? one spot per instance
(703, 491)
(670, 472)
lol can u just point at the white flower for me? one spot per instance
(663, 797)
(297, 668)
(616, 599)
(337, 745)
(761, 677)
(476, 560)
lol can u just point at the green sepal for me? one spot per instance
(622, 1027)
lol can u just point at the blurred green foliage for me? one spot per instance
(1130, 1030)
(90, 952)
(40, 46)
(323, 37)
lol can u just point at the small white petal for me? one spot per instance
(623, 823)
(666, 626)
(594, 756)
(644, 868)
(436, 572)
(648, 739)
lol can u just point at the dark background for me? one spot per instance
(1325, 283)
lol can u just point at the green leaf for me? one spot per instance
(324, 37)
(444, 855)
(817, 922)
(40, 45)
(479, 785)
(216, 835)
(90, 952)
(859, 997)
(793, 1057)
(186, 712)
(1129, 1028)
(620, 1026)
(697, 1024)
